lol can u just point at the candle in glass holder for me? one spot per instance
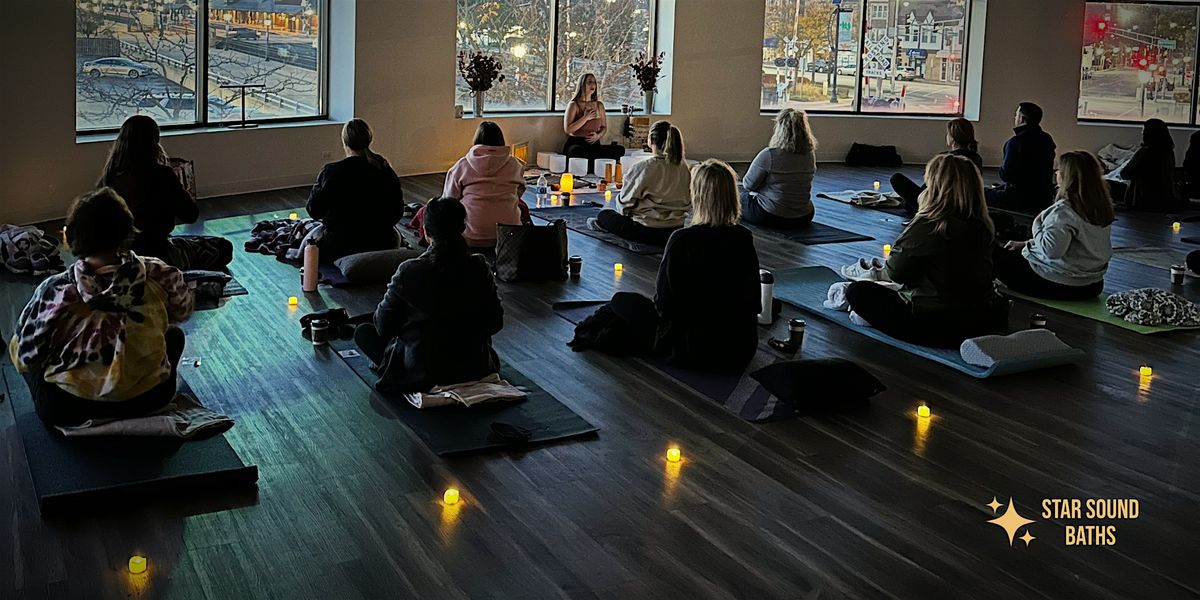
(608, 172)
(620, 178)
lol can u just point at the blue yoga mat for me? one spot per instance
(806, 288)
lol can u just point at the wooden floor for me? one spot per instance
(869, 505)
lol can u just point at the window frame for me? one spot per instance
(857, 110)
(1193, 118)
(202, 81)
(552, 89)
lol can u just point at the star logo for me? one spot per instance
(1011, 521)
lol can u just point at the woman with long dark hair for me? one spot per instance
(138, 170)
(585, 125)
(358, 198)
(1150, 174)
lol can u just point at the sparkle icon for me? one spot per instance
(1011, 521)
(1027, 537)
(994, 505)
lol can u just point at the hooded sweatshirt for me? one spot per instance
(657, 193)
(489, 182)
(1066, 249)
(100, 335)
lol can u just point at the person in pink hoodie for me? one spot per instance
(489, 182)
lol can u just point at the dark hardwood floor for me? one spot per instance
(872, 504)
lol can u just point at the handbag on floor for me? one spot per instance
(531, 252)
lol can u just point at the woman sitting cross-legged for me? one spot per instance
(655, 199)
(585, 123)
(960, 138)
(437, 318)
(777, 189)
(358, 199)
(1072, 240)
(137, 169)
(99, 340)
(943, 260)
(489, 181)
(1150, 174)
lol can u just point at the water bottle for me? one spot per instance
(768, 297)
(543, 188)
(308, 280)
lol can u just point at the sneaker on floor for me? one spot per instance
(19, 264)
(864, 270)
(40, 265)
(594, 224)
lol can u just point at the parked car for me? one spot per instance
(115, 66)
(242, 33)
(906, 74)
(847, 70)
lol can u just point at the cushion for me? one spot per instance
(817, 385)
(988, 350)
(374, 267)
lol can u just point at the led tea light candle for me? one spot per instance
(618, 268)
(137, 564)
(887, 250)
(923, 411)
(450, 497)
(293, 301)
(294, 216)
(1146, 371)
(607, 195)
(554, 200)
(567, 183)
(673, 455)
(876, 186)
(1176, 226)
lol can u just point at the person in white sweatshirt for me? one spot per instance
(656, 197)
(1068, 255)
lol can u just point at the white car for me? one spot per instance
(122, 67)
(847, 70)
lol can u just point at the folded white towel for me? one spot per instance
(488, 389)
(836, 299)
(988, 350)
(184, 418)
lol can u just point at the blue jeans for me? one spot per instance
(754, 213)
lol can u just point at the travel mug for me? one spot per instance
(1177, 274)
(1037, 321)
(796, 333)
(576, 264)
(767, 290)
(319, 329)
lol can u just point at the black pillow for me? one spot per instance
(816, 385)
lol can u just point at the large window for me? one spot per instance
(892, 56)
(194, 62)
(546, 45)
(1139, 62)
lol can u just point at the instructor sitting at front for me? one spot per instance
(585, 124)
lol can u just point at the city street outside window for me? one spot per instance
(1139, 62)
(896, 56)
(143, 57)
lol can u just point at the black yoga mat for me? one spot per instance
(1191, 240)
(453, 430)
(737, 392)
(576, 219)
(79, 475)
(814, 234)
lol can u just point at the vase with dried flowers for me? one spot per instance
(646, 69)
(481, 72)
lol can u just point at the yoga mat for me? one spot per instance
(329, 273)
(847, 197)
(806, 288)
(1190, 240)
(814, 234)
(576, 219)
(77, 474)
(459, 430)
(738, 393)
(1163, 258)
(1094, 309)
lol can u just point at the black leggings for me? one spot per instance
(577, 147)
(908, 190)
(754, 213)
(887, 311)
(56, 406)
(622, 226)
(367, 338)
(1013, 270)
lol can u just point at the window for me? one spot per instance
(143, 58)
(546, 45)
(896, 56)
(1139, 62)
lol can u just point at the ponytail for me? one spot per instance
(668, 141)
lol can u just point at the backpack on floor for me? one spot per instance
(531, 252)
(866, 155)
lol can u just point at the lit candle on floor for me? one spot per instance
(608, 195)
(887, 250)
(137, 564)
(293, 301)
(450, 497)
(1176, 226)
(1146, 371)
(567, 182)
(554, 200)
(923, 411)
(294, 216)
(618, 268)
(877, 186)
(673, 455)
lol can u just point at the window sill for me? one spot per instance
(869, 115)
(108, 137)
(543, 113)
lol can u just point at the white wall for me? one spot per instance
(403, 84)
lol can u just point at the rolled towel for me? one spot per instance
(988, 350)
(836, 299)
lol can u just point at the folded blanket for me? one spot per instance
(988, 350)
(864, 198)
(183, 418)
(1154, 307)
(277, 236)
(488, 389)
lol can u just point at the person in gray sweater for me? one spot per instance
(777, 190)
(1071, 245)
(656, 196)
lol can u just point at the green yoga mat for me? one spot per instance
(806, 288)
(1094, 309)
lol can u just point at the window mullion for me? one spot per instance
(552, 89)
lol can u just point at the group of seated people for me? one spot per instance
(100, 340)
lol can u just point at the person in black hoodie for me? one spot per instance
(960, 137)
(137, 169)
(435, 323)
(943, 259)
(1028, 169)
(1150, 173)
(358, 198)
(1191, 167)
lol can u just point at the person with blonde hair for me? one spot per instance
(1068, 255)
(585, 123)
(707, 294)
(655, 199)
(358, 199)
(943, 260)
(960, 138)
(777, 188)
